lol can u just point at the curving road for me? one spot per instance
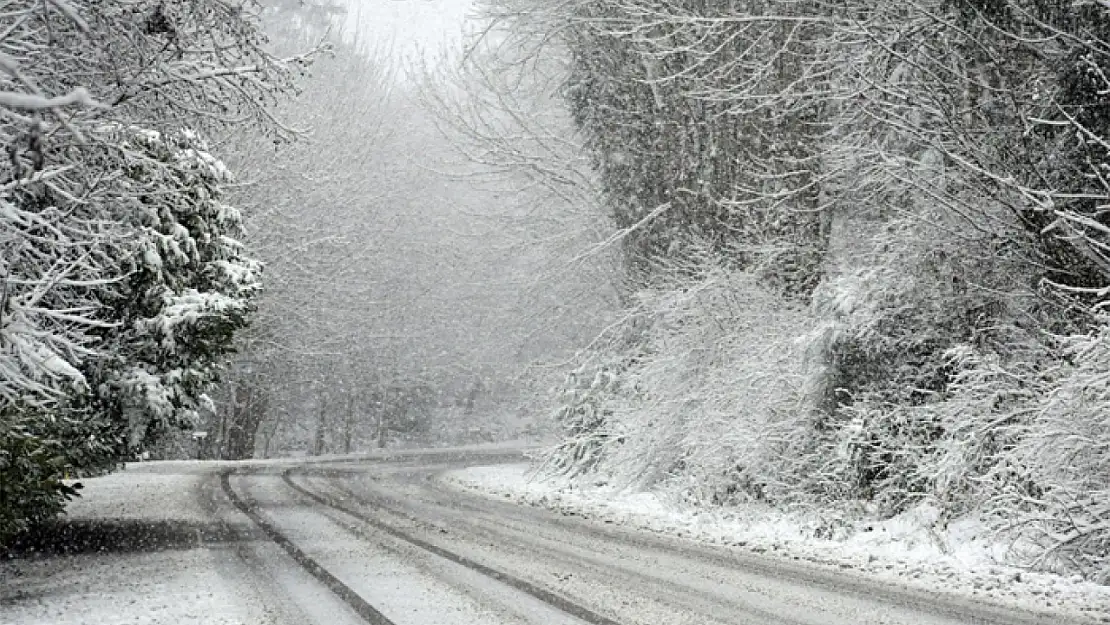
(382, 541)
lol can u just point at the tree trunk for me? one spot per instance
(381, 429)
(319, 442)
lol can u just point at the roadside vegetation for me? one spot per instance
(864, 252)
(851, 256)
(122, 282)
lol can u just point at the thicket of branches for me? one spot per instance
(121, 279)
(927, 180)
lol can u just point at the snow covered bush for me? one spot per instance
(38, 452)
(988, 409)
(909, 297)
(590, 396)
(585, 415)
(1021, 443)
(31, 486)
(1057, 499)
(708, 400)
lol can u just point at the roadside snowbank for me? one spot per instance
(907, 550)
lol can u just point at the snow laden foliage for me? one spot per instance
(890, 328)
(121, 283)
(159, 331)
(1025, 442)
(189, 285)
(586, 413)
(701, 387)
(689, 111)
(1019, 440)
(1063, 456)
(916, 189)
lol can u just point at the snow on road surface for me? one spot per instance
(163, 543)
(390, 576)
(961, 560)
(160, 543)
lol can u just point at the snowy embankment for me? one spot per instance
(905, 550)
(138, 550)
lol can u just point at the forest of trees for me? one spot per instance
(865, 256)
(845, 254)
(410, 285)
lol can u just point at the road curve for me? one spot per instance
(397, 546)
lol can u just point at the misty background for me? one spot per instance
(421, 287)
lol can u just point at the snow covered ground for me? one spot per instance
(157, 544)
(138, 553)
(907, 550)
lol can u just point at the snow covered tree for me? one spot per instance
(317, 212)
(188, 291)
(708, 114)
(117, 271)
(413, 246)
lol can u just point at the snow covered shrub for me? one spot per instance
(1018, 437)
(873, 455)
(742, 380)
(1024, 445)
(894, 454)
(948, 450)
(31, 472)
(709, 398)
(1058, 501)
(912, 296)
(38, 452)
(585, 417)
(589, 395)
(987, 410)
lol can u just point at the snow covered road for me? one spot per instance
(383, 540)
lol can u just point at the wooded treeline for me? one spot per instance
(865, 251)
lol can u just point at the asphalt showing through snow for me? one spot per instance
(558, 602)
(333, 583)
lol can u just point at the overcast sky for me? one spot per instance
(411, 25)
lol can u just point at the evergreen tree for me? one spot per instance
(121, 285)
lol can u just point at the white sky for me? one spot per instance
(410, 25)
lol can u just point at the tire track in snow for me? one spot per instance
(689, 600)
(366, 611)
(546, 596)
(928, 604)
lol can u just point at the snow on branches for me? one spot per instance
(73, 75)
(933, 178)
(122, 283)
(189, 284)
